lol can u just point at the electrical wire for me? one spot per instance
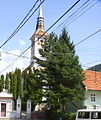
(88, 37)
(23, 22)
(14, 54)
(44, 32)
(77, 14)
(75, 45)
(82, 13)
(65, 21)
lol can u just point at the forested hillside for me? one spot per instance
(96, 68)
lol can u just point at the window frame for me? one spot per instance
(93, 97)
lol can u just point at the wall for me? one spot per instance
(88, 98)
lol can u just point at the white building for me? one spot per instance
(6, 105)
(92, 85)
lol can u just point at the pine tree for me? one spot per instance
(7, 82)
(18, 76)
(10, 74)
(62, 71)
(34, 87)
(13, 84)
(2, 82)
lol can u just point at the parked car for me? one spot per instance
(88, 114)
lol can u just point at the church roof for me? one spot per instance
(92, 80)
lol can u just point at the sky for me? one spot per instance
(88, 22)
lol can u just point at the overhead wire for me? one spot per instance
(88, 37)
(9, 53)
(82, 13)
(44, 32)
(23, 22)
(59, 25)
(75, 44)
(65, 21)
(76, 14)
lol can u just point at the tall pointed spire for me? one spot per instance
(40, 19)
(40, 23)
(40, 12)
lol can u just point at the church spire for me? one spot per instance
(40, 19)
(40, 12)
(40, 30)
(38, 37)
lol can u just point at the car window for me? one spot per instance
(83, 114)
(96, 115)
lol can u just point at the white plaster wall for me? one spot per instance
(9, 107)
(35, 50)
(88, 98)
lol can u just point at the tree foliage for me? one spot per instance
(7, 82)
(1, 82)
(60, 70)
(58, 79)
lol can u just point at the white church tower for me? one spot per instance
(38, 38)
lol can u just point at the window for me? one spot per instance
(83, 114)
(93, 97)
(96, 115)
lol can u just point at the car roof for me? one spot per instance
(88, 110)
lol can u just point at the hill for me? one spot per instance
(95, 68)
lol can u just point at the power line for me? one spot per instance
(14, 54)
(41, 36)
(65, 21)
(88, 37)
(76, 13)
(44, 32)
(82, 13)
(23, 22)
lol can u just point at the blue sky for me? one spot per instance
(13, 11)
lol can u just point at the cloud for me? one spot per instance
(22, 42)
(6, 62)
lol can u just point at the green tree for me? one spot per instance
(61, 72)
(18, 76)
(1, 82)
(31, 86)
(7, 82)
(13, 84)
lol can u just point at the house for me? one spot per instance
(7, 106)
(92, 85)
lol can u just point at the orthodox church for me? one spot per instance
(38, 38)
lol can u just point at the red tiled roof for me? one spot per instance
(92, 80)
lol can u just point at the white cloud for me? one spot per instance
(7, 59)
(22, 42)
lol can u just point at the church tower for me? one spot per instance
(38, 38)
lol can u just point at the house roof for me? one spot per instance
(92, 80)
(5, 95)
